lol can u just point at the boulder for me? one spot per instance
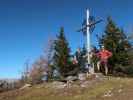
(25, 86)
(82, 76)
(71, 78)
(57, 85)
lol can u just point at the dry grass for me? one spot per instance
(96, 91)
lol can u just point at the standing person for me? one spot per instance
(94, 58)
(80, 59)
(78, 56)
(45, 76)
(103, 55)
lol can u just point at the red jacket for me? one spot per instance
(104, 54)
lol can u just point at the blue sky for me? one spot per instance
(26, 25)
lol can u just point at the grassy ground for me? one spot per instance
(109, 89)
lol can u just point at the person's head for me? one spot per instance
(78, 50)
(102, 47)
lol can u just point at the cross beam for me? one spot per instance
(91, 24)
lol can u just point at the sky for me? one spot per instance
(26, 26)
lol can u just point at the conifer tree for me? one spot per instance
(61, 53)
(116, 41)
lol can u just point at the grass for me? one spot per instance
(93, 92)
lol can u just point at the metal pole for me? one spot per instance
(91, 69)
(88, 35)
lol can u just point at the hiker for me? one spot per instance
(94, 58)
(78, 57)
(74, 60)
(45, 76)
(81, 59)
(103, 55)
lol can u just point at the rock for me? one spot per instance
(71, 78)
(58, 85)
(84, 84)
(108, 94)
(75, 86)
(25, 86)
(99, 75)
(120, 90)
(82, 76)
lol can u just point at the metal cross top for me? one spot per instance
(87, 28)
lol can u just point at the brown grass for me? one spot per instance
(95, 91)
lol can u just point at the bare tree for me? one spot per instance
(48, 54)
(38, 70)
(25, 73)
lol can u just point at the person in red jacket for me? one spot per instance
(103, 55)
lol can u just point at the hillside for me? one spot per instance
(110, 88)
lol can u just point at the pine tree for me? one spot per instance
(61, 53)
(116, 41)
